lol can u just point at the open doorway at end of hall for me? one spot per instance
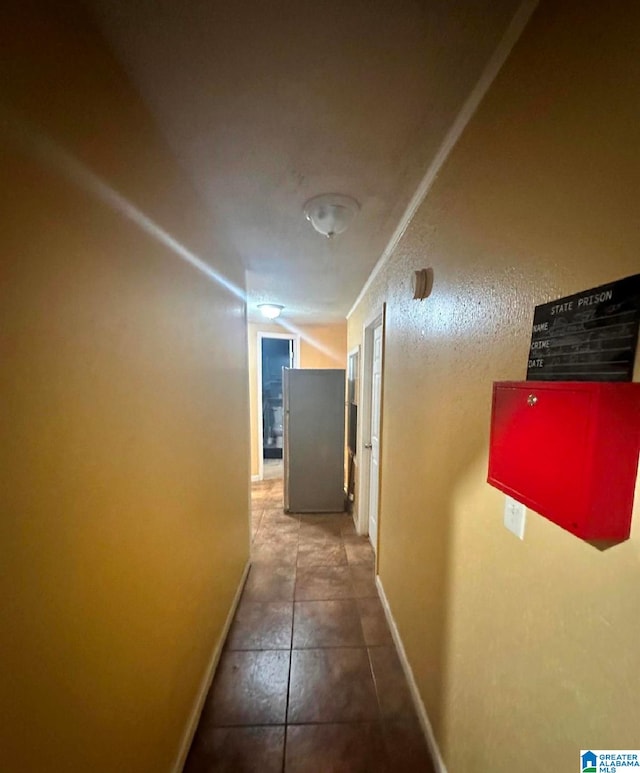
(275, 352)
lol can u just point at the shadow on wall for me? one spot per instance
(434, 472)
(420, 507)
(124, 529)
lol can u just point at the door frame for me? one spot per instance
(295, 337)
(364, 422)
(355, 352)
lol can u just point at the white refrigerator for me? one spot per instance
(314, 418)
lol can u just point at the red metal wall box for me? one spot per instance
(569, 451)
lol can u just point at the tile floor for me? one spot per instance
(309, 680)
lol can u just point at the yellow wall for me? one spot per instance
(123, 437)
(524, 652)
(321, 346)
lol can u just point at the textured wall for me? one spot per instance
(124, 430)
(523, 652)
(321, 346)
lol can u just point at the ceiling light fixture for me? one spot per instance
(270, 310)
(331, 213)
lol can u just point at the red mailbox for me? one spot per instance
(569, 451)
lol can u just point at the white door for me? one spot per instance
(374, 473)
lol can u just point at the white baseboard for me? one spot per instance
(190, 731)
(415, 694)
(255, 478)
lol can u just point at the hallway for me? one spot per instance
(309, 681)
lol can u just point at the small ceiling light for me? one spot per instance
(270, 310)
(331, 213)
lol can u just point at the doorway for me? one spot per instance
(275, 351)
(371, 428)
(353, 397)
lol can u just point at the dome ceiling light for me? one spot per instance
(270, 310)
(331, 213)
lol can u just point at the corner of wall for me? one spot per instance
(207, 679)
(425, 722)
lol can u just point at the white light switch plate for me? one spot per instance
(514, 516)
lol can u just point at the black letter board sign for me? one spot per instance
(589, 336)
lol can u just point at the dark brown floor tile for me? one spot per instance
(319, 539)
(348, 528)
(250, 688)
(330, 518)
(363, 580)
(331, 685)
(407, 747)
(278, 515)
(270, 582)
(282, 524)
(322, 555)
(273, 551)
(374, 623)
(327, 624)
(393, 692)
(275, 544)
(319, 528)
(268, 533)
(256, 520)
(275, 537)
(352, 748)
(237, 750)
(261, 625)
(359, 550)
(316, 583)
(267, 505)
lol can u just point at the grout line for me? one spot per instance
(284, 739)
(293, 617)
(381, 720)
(272, 531)
(308, 647)
(303, 724)
(286, 709)
(335, 722)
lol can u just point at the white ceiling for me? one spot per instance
(266, 104)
